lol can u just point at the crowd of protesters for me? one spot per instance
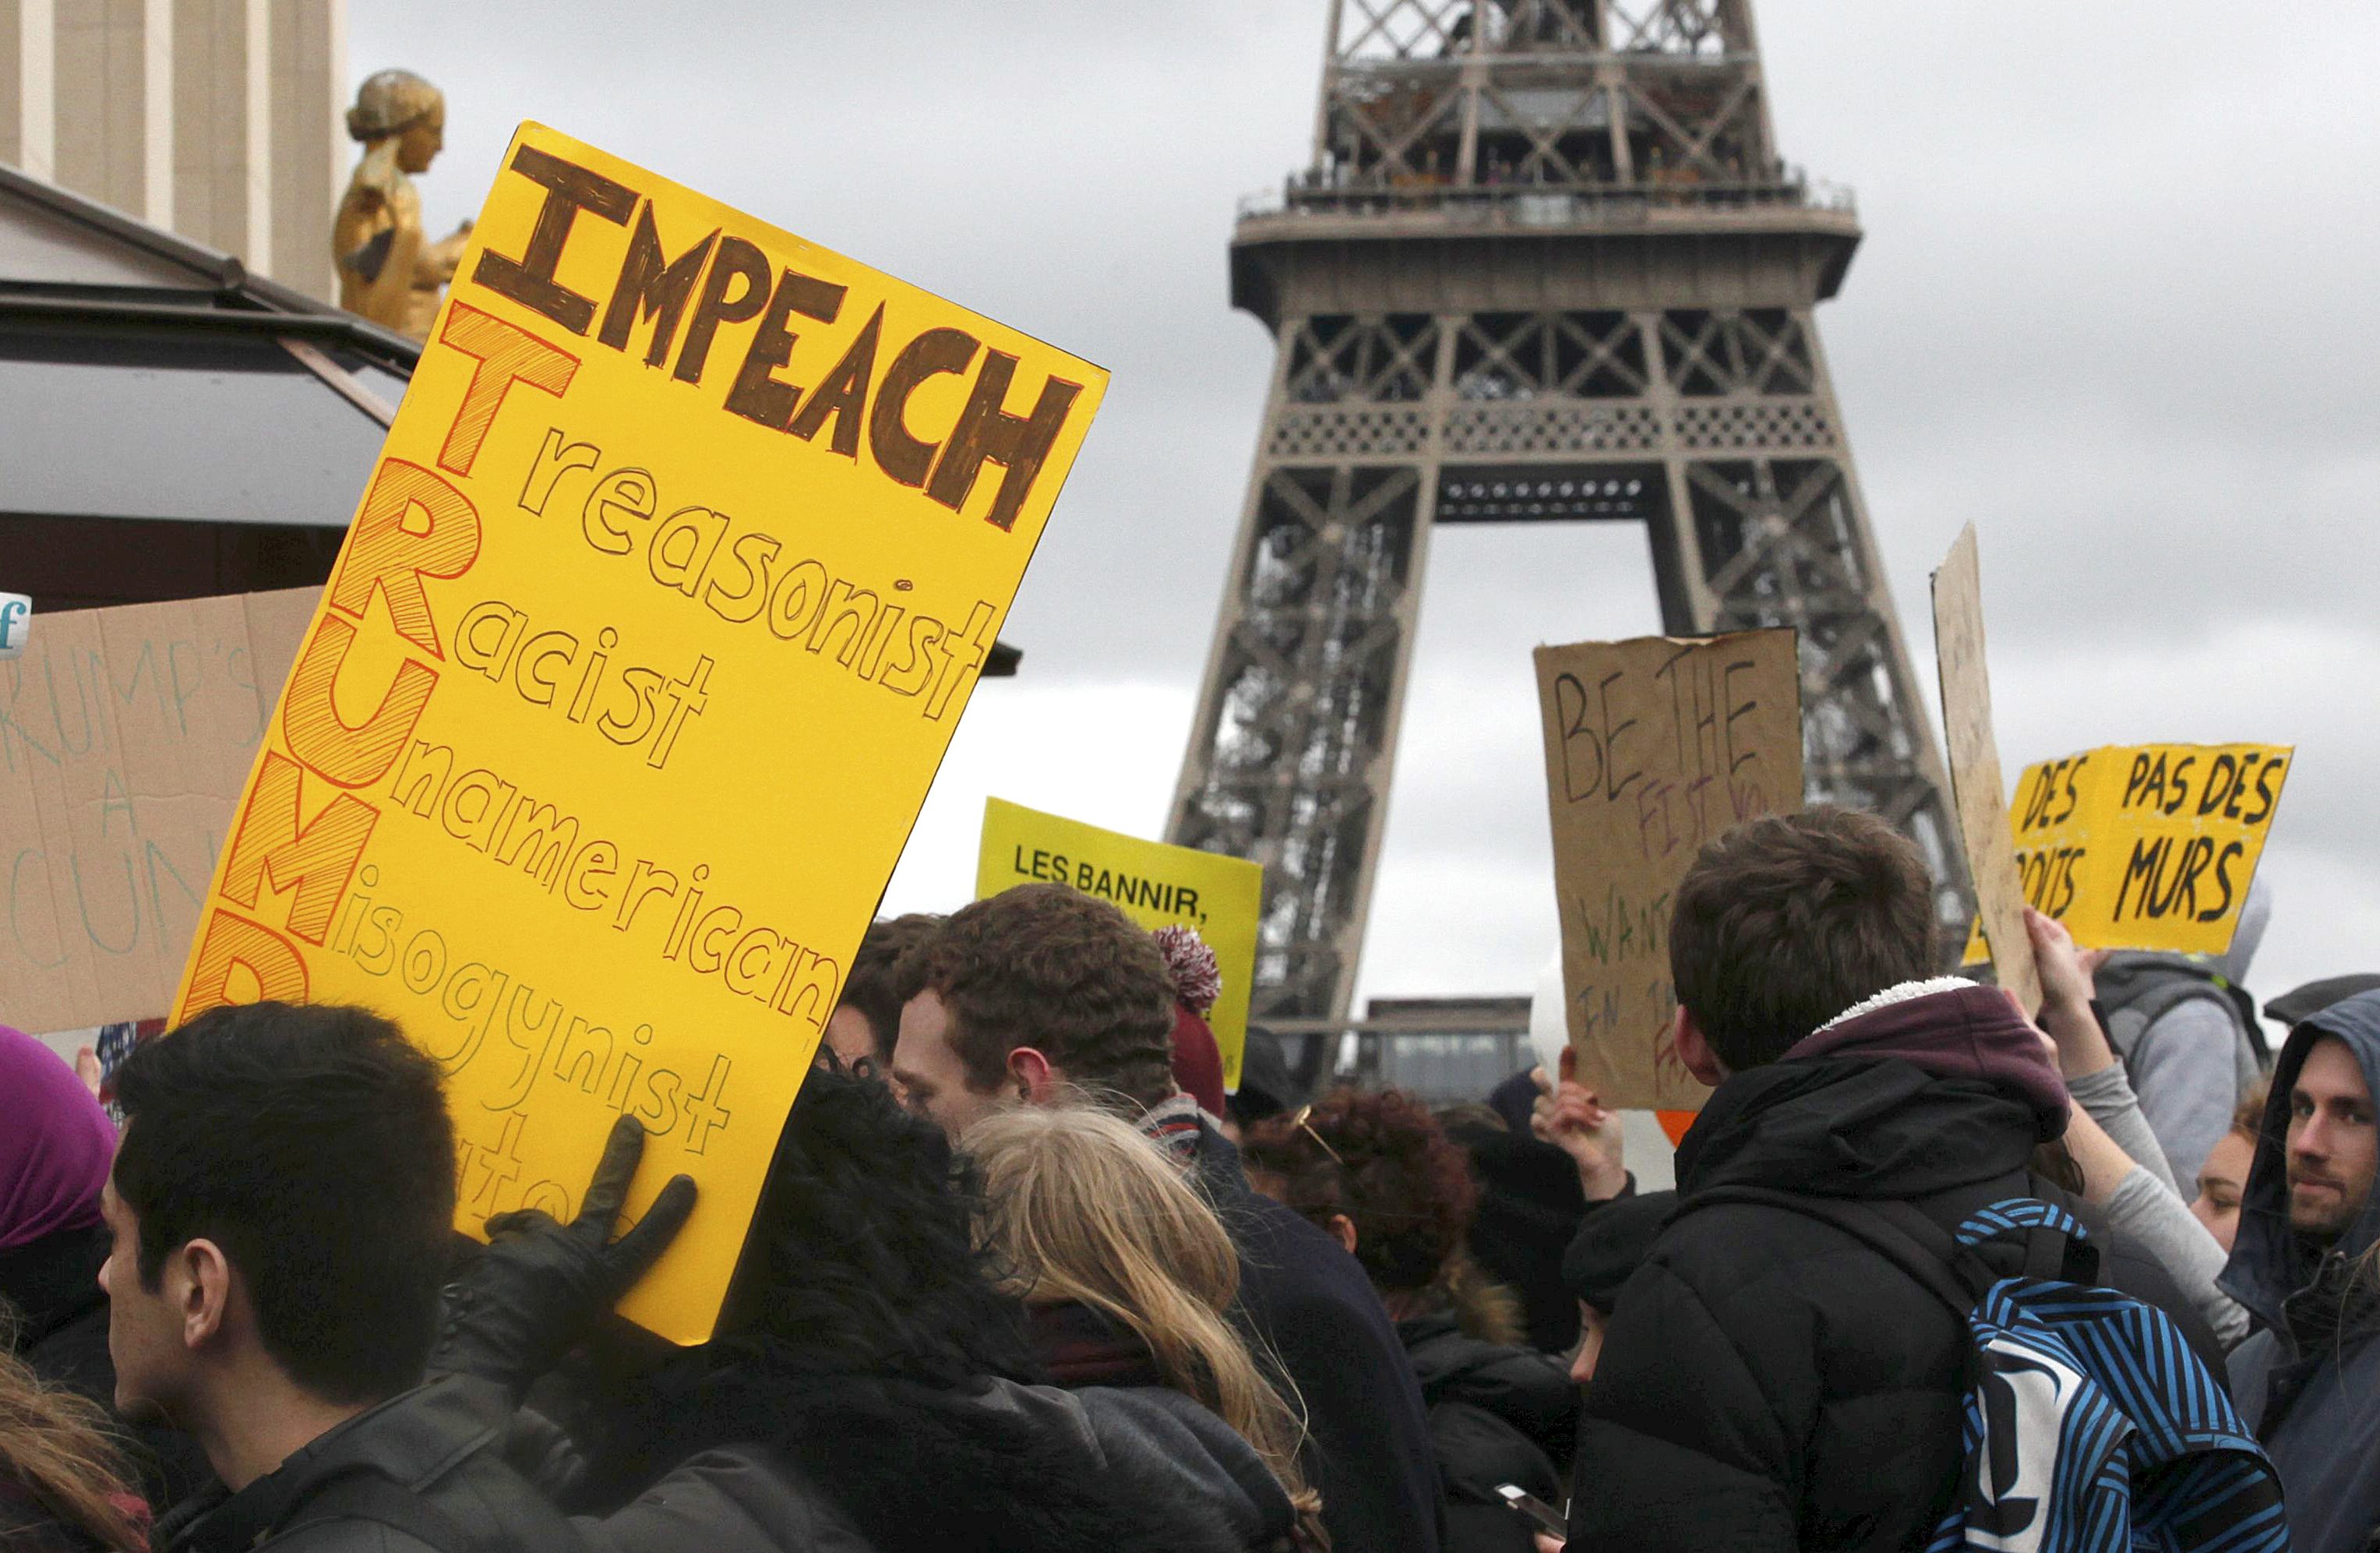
(1023, 1276)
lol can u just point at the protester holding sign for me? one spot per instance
(1769, 1379)
(679, 511)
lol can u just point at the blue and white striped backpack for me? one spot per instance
(2091, 1425)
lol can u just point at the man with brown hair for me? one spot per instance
(1767, 1380)
(1041, 989)
(866, 1018)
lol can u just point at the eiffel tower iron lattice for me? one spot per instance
(1546, 263)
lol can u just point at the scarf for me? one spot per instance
(1172, 1122)
(55, 1150)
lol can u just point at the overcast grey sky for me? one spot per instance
(2115, 308)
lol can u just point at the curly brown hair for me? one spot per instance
(1047, 966)
(1398, 1177)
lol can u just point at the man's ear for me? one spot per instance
(1036, 1082)
(1342, 1229)
(204, 1289)
(1695, 1050)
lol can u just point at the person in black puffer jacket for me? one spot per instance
(871, 1389)
(1378, 1172)
(1766, 1381)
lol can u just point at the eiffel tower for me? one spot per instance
(1545, 264)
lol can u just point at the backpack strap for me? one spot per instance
(364, 1493)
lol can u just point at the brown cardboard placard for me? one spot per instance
(125, 735)
(1976, 787)
(1653, 746)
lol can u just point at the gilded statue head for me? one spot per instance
(401, 103)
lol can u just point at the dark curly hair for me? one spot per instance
(1047, 966)
(861, 1268)
(1785, 921)
(1403, 1183)
(862, 1256)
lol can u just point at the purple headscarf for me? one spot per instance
(55, 1144)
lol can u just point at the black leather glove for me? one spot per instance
(541, 1285)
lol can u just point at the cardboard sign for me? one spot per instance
(1153, 883)
(1653, 746)
(125, 734)
(2145, 846)
(677, 571)
(1976, 784)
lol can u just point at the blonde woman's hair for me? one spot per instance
(1079, 1206)
(56, 1446)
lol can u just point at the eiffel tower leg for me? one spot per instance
(1291, 754)
(1775, 533)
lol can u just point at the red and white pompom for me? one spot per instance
(1191, 966)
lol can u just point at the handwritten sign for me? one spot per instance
(1976, 784)
(674, 575)
(1153, 883)
(2145, 846)
(1653, 746)
(125, 734)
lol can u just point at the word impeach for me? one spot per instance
(1653, 746)
(673, 580)
(2145, 846)
(1153, 884)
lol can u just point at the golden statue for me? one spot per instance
(388, 270)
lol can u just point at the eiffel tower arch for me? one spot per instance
(1546, 263)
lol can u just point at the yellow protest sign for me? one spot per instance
(1153, 883)
(2145, 846)
(675, 573)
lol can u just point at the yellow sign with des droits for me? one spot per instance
(677, 571)
(1155, 885)
(2145, 846)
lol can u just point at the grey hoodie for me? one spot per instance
(2181, 1039)
(2309, 1382)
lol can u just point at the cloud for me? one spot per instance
(2113, 308)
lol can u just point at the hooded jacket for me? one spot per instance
(2183, 1026)
(1767, 1380)
(2309, 1381)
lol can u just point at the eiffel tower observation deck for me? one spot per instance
(1546, 263)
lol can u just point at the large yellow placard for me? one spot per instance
(1155, 884)
(677, 569)
(2145, 846)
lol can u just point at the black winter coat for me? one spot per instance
(1496, 1414)
(1768, 1382)
(827, 1463)
(61, 1317)
(2308, 1380)
(438, 1447)
(1309, 1302)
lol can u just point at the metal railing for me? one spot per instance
(1438, 1060)
(1536, 204)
